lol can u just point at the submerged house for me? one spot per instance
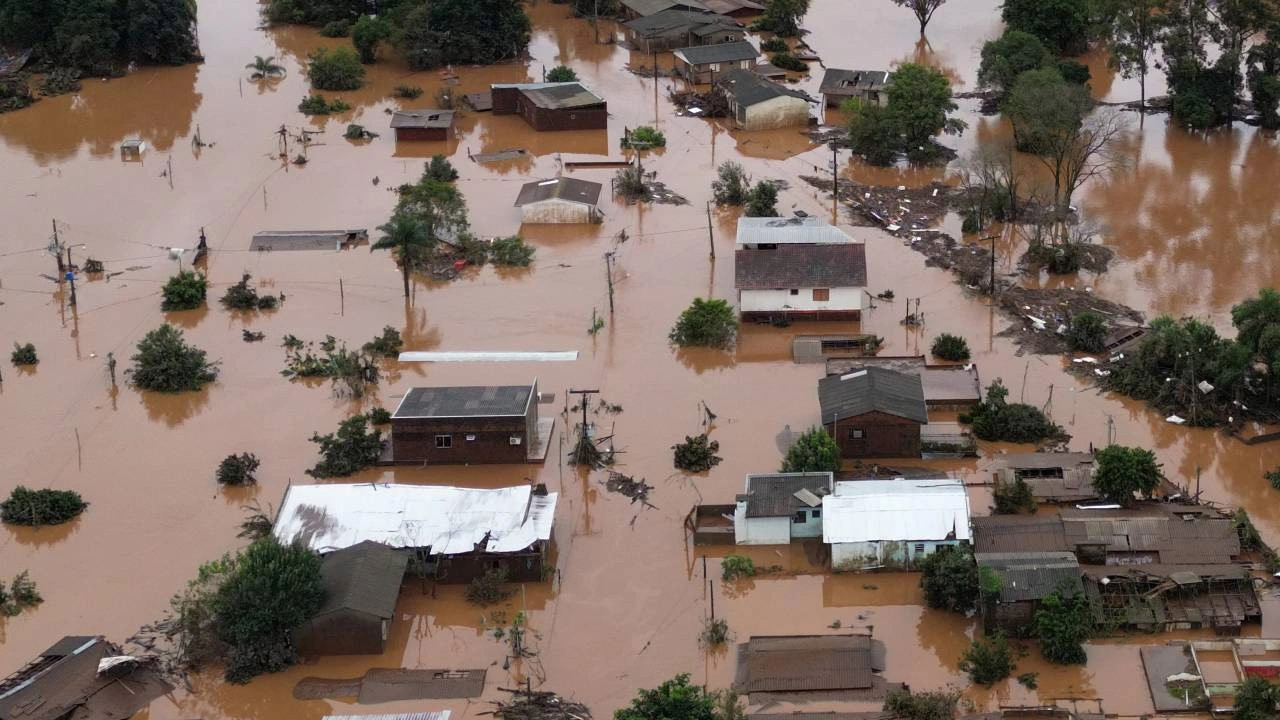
(777, 508)
(632, 9)
(80, 678)
(734, 8)
(810, 667)
(798, 268)
(874, 413)
(757, 103)
(469, 425)
(702, 64)
(672, 28)
(456, 534)
(422, 124)
(1054, 478)
(560, 200)
(361, 586)
(552, 105)
(869, 86)
(893, 523)
(947, 387)
(1026, 578)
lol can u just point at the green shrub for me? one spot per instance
(366, 34)
(440, 169)
(22, 594)
(24, 354)
(629, 183)
(351, 449)
(166, 363)
(935, 705)
(317, 105)
(696, 454)
(1273, 477)
(243, 297)
(1088, 332)
(950, 347)
(1063, 623)
(714, 633)
(1123, 471)
(407, 92)
(511, 252)
(814, 451)
(762, 201)
(1013, 498)
(706, 323)
(736, 566)
(949, 578)
(379, 416)
(60, 82)
(988, 661)
(787, 61)
(1074, 72)
(335, 69)
(359, 132)
(774, 45)
(336, 29)
(731, 186)
(645, 137)
(41, 507)
(996, 419)
(488, 589)
(238, 469)
(184, 291)
(93, 267)
(675, 699)
(560, 73)
(387, 344)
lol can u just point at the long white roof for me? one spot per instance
(903, 510)
(449, 520)
(789, 231)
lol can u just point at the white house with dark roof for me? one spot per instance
(776, 508)
(560, 200)
(893, 523)
(798, 268)
(704, 63)
(758, 103)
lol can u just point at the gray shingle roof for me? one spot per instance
(435, 119)
(848, 82)
(872, 390)
(774, 495)
(644, 8)
(365, 577)
(471, 401)
(718, 53)
(562, 96)
(564, 188)
(1032, 575)
(801, 266)
(751, 88)
(673, 19)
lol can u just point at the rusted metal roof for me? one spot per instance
(806, 663)
(775, 495)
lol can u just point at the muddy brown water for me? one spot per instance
(1192, 223)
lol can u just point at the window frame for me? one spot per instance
(444, 441)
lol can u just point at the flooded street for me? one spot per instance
(1193, 222)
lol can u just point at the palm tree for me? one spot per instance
(405, 234)
(264, 67)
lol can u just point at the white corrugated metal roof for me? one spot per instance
(438, 715)
(906, 510)
(792, 230)
(449, 520)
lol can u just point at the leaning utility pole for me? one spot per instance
(608, 268)
(711, 238)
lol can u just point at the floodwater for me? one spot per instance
(1192, 223)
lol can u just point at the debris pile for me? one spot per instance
(539, 705)
(637, 490)
(1045, 314)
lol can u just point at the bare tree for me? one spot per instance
(992, 180)
(923, 9)
(1086, 152)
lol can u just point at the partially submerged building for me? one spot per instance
(757, 103)
(1054, 478)
(810, 667)
(701, 64)
(560, 200)
(869, 86)
(361, 587)
(552, 105)
(335, 239)
(945, 387)
(895, 524)
(798, 268)
(80, 678)
(632, 9)
(410, 125)
(774, 509)
(734, 8)
(874, 412)
(672, 28)
(1026, 578)
(456, 534)
(469, 425)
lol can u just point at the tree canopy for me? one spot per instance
(814, 451)
(922, 9)
(918, 109)
(1063, 623)
(782, 17)
(1256, 699)
(1009, 56)
(463, 32)
(949, 578)
(706, 323)
(675, 699)
(762, 200)
(1123, 471)
(101, 35)
(166, 363)
(1061, 24)
(335, 69)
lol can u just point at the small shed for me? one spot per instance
(776, 508)
(361, 586)
(560, 200)
(413, 125)
(552, 105)
(865, 85)
(701, 64)
(758, 103)
(1026, 578)
(81, 678)
(469, 425)
(132, 149)
(874, 412)
(893, 524)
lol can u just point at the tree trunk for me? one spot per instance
(404, 269)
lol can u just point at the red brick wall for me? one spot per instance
(883, 436)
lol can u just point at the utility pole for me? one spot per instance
(711, 238)
(586, 395)
(56, 248)
(608, 271)
(71, 276)
(835, 182)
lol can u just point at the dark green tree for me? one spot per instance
(264, 67)
(922, 9)
(184, 291)
(86, 36)
(41, 507)
(1256, 699)
(1088, 332)
(351, 449)
(440, 169)
(706, 323)
(1014, 497)
(463, 31)
(1045, 110)
(561, 73)
(366, 34)
(935, 705)
(1122, 472)
(949, 578)
(405, 234)
(166, 363)
(762, 201)
(919, 107)
(1063, 622)
(988, 661)
(675, 699)
(335, 69)
(1264, 78)
(1061, 24)
(782, 17)
(814, 451)
(731, 186)
(161, 32)
(1008, 56)
(871, 132)
(1134, 32)
(950, 347)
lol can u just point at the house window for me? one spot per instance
(798, 518)
(816, 513)
(715, 67)
(821, 294)
(471, 438)
(856, 434)
(795, 292)
(444, 441)
(919, 548)
(515, 440)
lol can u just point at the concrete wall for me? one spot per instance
(780, 112)
(889, 554)
(556, 210)
(812, 525)
(760, 531)
(777, 300)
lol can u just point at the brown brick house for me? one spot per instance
(469, 425)
(552, 105)
(874, 413)
(411, 125)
